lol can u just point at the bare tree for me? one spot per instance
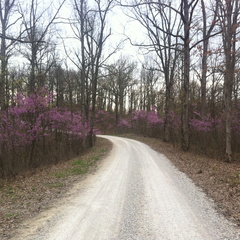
(163, 27)
(38, 42)
(229, 20)
(206, 31)
(186, 12)
(173, 32)
(6, 9)
(80, 29)
(35, 32)
(90, 29)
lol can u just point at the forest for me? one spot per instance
(58, 89)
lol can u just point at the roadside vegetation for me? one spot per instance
(28, 194)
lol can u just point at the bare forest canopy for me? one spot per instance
(64, 76)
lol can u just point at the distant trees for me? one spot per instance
(117, 82)
(148, 87)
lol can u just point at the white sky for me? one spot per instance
(121, 27)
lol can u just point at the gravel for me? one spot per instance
(136, 194)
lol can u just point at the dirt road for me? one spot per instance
(135, 194)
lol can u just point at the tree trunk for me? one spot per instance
(185, 84)
(116, 109)
(229, 27)
(3, 60)
(83, 66)
(228, 85)
(3, 72)
(166, 127)
(204, 79)
(204, 62)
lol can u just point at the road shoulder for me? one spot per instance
(28, 195)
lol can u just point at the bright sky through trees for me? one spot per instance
(122, 28)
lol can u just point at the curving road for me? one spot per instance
(136, 194)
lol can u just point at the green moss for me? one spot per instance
(78, 170)
(10, 215)
(61, 174)
(10, 190)
(234, 180)
(80, 165)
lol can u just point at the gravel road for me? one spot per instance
(135, 194)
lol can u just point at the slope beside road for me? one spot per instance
(135, 194)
